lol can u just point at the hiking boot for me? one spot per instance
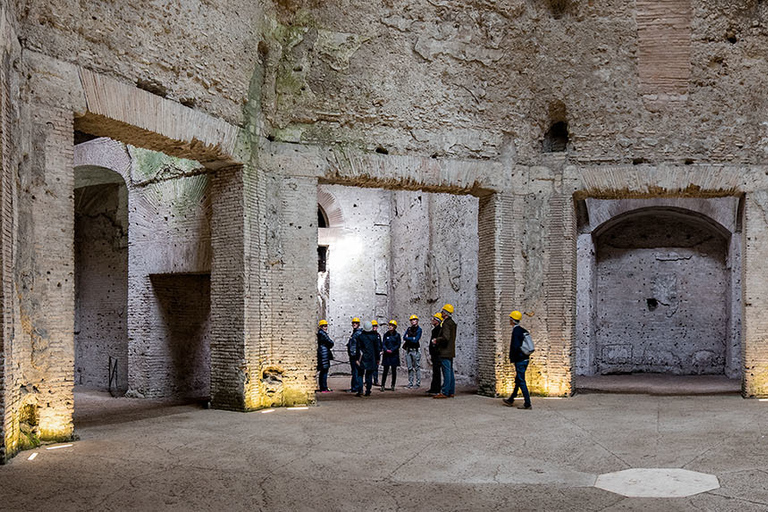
(526, 407)
(381, 388)
(508, 402)
(439, 395)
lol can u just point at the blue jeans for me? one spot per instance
(356, 384)
(520, 382)
(449, 382)
(324, 379)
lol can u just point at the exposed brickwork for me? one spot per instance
(229, 286)
(755, 330)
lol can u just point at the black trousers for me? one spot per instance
(435, 386)
(384, 375)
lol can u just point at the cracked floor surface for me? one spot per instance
(395, 451)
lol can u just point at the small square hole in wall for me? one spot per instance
(652, 304)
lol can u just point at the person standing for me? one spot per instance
(353, 351)
(446, 346)
(375, 325)
(324, 354)
(434, 357)
(390, 359)
(411, 338)
(368, 343)
(519, 359)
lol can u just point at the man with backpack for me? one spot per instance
(520, 349)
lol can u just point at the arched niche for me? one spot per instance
(658, 288)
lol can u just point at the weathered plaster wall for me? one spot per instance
(479, 79)
(434, 260)
(662, 298)
(655, 254)
(101, 285)
(201, 54)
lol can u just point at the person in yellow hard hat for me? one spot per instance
(390, 359)
(434, 356)
(353, 351)
(412, 348)
(446, 346)
(519, 359)
(324, 355)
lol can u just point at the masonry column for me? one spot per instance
(230, 289)
(43, 347)
(263, 289)
(495, 290)
(755, 289)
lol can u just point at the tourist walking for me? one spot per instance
(519, 359)
(446, 349)
(353, 351)
(390, 358)
(369, 345)
(434, 356)
(412, 348)
(324, 355)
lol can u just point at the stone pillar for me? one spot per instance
(263, 284)
(755, 289)
(495, 290)
(230, 289)
(43, 347)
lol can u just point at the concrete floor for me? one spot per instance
(395, 451)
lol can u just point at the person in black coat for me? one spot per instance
(434, 356)
(391, 358)
(353, 352)
(519, 359)
(370, 347)
(324, 354)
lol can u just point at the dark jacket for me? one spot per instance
(446, 342)
(324, 354)
(391, 342)
(433, 350)
(515, 345)
(369, 345)
(411, 337)
(353, 351)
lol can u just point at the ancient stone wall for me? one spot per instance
(479, 79)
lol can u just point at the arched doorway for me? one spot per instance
(101, 279)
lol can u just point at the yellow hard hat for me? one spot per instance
(438, 315)
(322, 323)
(374, 322)
(448, 308)
(516, 315)
(413, 317)
(393, 322)
(355, 320)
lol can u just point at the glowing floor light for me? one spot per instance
(267, 411)
(33, 456)
(298, 408)
(59, 446)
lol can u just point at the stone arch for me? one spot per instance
(331, 207)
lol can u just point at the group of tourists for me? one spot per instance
(368, 349)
